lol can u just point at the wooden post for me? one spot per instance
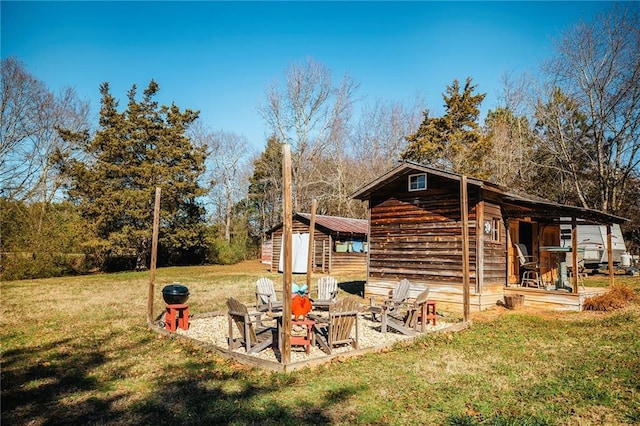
(154, 256)
(610, 254)
(287, 225)
(312, 228)
(574, 254)
(480, 238)
(464, 205)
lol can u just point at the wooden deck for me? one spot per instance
(449, 297)
(558, 300)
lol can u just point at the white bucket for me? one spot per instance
(625, 259)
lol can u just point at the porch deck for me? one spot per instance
(555, 299)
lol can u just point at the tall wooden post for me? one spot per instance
(312, 228)
(574, 254)
(287, 225)
(464, 205)
(610, 254)
(154, 256)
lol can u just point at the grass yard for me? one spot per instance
(77, 350)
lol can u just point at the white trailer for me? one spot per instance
(592, 243)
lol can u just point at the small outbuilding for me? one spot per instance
(340, 244)
(416, 232)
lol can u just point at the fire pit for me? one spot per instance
(175, 294)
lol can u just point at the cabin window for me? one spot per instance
(495, 230)
(418, 182)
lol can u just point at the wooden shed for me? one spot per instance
(415, 232)
(340, 244)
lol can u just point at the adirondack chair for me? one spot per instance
(336, 330)
(417, 310)
(327, 292)
(253, 335)
(266, 298)
(397, 298)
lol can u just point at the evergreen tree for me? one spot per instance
(452, 142)
(132, 153)
(265, 187)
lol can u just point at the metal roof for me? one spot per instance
(345, 225)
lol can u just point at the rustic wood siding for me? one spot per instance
(418, 236)
(348, 262)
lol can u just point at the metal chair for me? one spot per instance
(529, 267)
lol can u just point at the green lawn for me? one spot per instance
(77, 350)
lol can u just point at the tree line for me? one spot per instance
(77, 197)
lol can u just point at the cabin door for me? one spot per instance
(521, 232)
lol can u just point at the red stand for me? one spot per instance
(429, 313)
(303, 340)
(177, 316)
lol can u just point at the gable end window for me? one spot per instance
(418, 182)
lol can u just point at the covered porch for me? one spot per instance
(545, 264)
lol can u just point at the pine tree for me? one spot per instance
(452, 142)
(265, 187)
(132, 153)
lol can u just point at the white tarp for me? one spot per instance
(300, 250)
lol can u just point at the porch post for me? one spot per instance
(574, 253)
(464, 205)
(610, 254)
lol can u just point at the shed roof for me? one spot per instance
(535, 205)
(340, 224)
(334, 224)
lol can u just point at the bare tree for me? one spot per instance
(311, 113)
(229, 173)
(595, 86)
(379, 136)
(510, 161)
(30, 117)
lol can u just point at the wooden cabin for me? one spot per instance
(416, 232)
(340, 244)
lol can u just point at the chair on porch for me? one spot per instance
(253, 335)
(336, 329)
(529, 267)
(396, 299)
(266, 298)
(580, 274)
(327, 292)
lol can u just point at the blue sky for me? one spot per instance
(218, 57)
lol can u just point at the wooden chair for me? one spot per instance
(397, 298)
(406, 322)
(336, 330)
(327, 292)
(253, 336)
(266, 298)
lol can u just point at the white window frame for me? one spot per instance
(417, 175)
